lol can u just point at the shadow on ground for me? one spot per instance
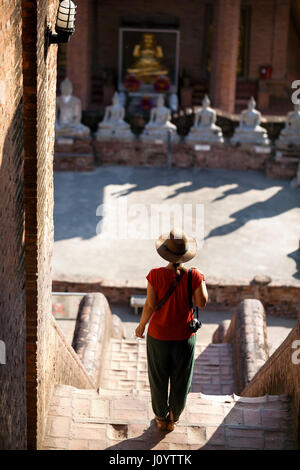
(295, 255)
(78, 195)
(272, 207)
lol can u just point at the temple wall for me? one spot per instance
(293, 52)
(273, 40)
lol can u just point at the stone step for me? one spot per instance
(125, 367)
(106, 419)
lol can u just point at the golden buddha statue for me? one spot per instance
(147, 66)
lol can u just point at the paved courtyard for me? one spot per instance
(251, 224)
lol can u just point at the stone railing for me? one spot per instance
(95, 324)
(59, 365)
(247, 332)
(64, 363)
(281, 374)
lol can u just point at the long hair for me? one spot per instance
(176, 267)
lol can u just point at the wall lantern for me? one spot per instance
(65, 23)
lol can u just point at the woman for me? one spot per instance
(170, 341)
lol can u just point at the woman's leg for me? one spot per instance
(181, 374)
(159, 362)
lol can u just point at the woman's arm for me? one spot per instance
(147, 311)
(201, 295)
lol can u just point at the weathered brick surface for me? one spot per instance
(78, 156)
(73, 162)
(280, 374)
(12, 275)
(80, 146)
(207, 423)
(284, 169)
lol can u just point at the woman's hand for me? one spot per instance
(139, 331)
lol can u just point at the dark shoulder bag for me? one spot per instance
(195, 323)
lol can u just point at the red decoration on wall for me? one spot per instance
(265, 72)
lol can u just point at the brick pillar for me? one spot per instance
(280, 39)
(225, 53)
(79, 53)
(39, 77)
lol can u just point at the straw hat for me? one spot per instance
(176, 246)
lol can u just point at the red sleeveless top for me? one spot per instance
(171, 321)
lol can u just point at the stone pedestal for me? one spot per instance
(216, 156)
(159, 136)
(130, 153)
(73, 155)
(202, 156)
(282, 167)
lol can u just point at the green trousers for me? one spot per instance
(170, 362)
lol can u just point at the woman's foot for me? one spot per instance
(161, 423)
(171, 422)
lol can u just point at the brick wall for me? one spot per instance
(283, 300)
(281, 374)
(12, 277)
(39, 111)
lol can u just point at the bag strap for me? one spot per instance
(170, 291)
(190, 292)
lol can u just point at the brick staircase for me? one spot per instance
(119, 415)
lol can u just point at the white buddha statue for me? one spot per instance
(204, 128)
(159, 124)
(69, 114)
(249, 131)
(113, 124)
(289, 137)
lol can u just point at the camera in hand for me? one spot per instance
(195, 324)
